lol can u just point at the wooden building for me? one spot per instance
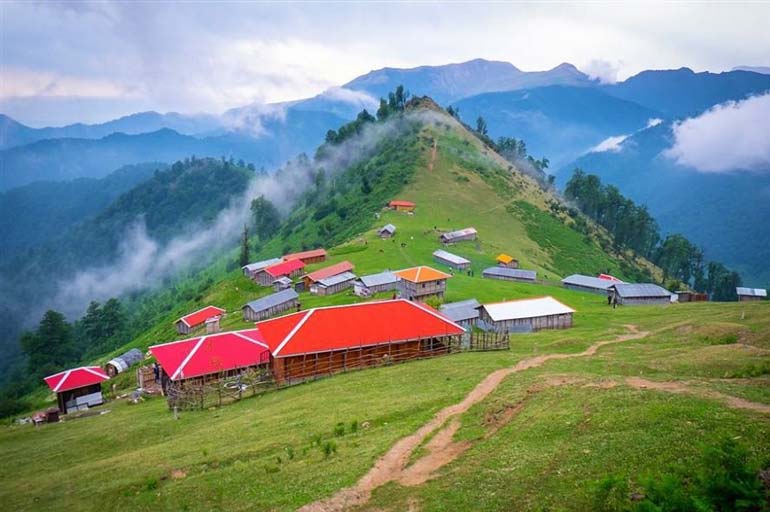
(451, 260)
(366, 286)
(401, 206)
(461, 235)
(197, 319)
(282, 283)
(327, 340)
(641, 294)
(688, 296)
(510, 274)
(252, 268)
(308, 257)
(123, 362)
(333, 284)
(288, 268)
(506, 260)
(387, 231)
(525, 315)
(326, 272)
(271, 305)
(750, 294)
(77, 389)
(420, 283)
(464, 313)
(589, 284)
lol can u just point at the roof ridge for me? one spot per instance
(182, 318)
(62, 381)
(293, 332)
(434, 313)
(221, 333)
(188, 357)
(239, 335)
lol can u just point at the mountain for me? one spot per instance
(451, 82)
(683, 93)
(558, 122)
(765, 70)
(721, 212)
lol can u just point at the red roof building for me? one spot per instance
(211, 355)
(189, 323)
(400, 205)
(326, 272)
(330, 339)
(77, 388)
(268, 275)
(312, 256)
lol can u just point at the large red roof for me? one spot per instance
(200, 316)
(313, 253)
(364, 324)
(76, 378)
(285, 268)
(331, 270)
(399, 202)
(215, 353)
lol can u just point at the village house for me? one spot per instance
(451, 260)
(308, 257)
(401, 206)
(197, 319)
(326, 272)
(282, 283)
(525, 315)
(252, 268)
(79, 388)
(505, 260)
(688, 296)
(327, 340)
(366, 286)
(271, 305)
(420, 283)
(333, 284)
(467, 234)
(510, 274)
(750, 294)
(464, 312)
(629, 294)
(387, 231)
(288, 268)
(123, 362)
(590, 284)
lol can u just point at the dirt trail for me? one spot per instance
(442, 449)
(677, 387)
(433, 155)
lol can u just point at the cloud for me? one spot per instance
(610, 144)
(604, 71)
(358, 99)
(733, 136)
(655, 121)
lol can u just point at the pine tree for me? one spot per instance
(244, 260)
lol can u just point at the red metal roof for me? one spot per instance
(331, 270)
(215, 353)
(76, 378)
(314, 253)
(285, 268)
(608, 277)
(398, 202)
(200, 316)
(364, 324)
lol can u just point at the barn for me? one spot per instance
(510, 274)
(252, 268)
(289, 268)
(271, 305)
(461, 235)
(506, 260)
(123, 362)
(525, 315)
(366, 286)
(326, 272)
(79, 388)
(387, 231)
(464, 312)
(639, 294)
(401, 206)
(308, 257)
(333, 284)
(327, 340)
(590, 284)
(750, 294)
(420, 283)
(451, 260)
(193, 321)
(207, 358)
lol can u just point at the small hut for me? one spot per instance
(510, 274)
(252, 268)
(750, 294)
(464, 312)
(193, 321)
(333, 284)
(641, 294)
(451, 260)
(401, 206)
(387, 231)
(79, 388)
(213, 325)
(420, 283)
(366, 286)
(308, 257)
(270, 305)
(123, 362)
(282, 283)
(589, 284)
(526, 315)
(461, 235)
(508, 261)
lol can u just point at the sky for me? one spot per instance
(94, 61)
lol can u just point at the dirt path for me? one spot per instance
(433, 155)
(442, 449)
(677, 387)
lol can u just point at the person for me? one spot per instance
(609, 299)
(156, 371)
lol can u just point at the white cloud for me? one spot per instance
(729, 137)
(24, 83)
(604, 71)
(358, 99)
(610, 144)
(655, 121)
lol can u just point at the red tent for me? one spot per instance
(76, 378)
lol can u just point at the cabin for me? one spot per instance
(464, 312)
(451, 260)
(207, 358)
(588, 284)
(213, 325)
(461, 235)
(750, 294)
(197, 319)
(366, 286)
(289, 268)
(688, 296)
(420, 283)
(641, 294)
(308, 257)
(510, 274)
(525, 315)
(401, 206)
(326, 272)
(387, 231)
(271, 305)
(77, 389)
(333, 284)
(282, 283)
(123, 362)
(327, 340)
(252, 268)
(505, 260)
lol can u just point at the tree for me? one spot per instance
(366, 188)
(244, 258)
(51, 346)
(267, 220)
(481, 126)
